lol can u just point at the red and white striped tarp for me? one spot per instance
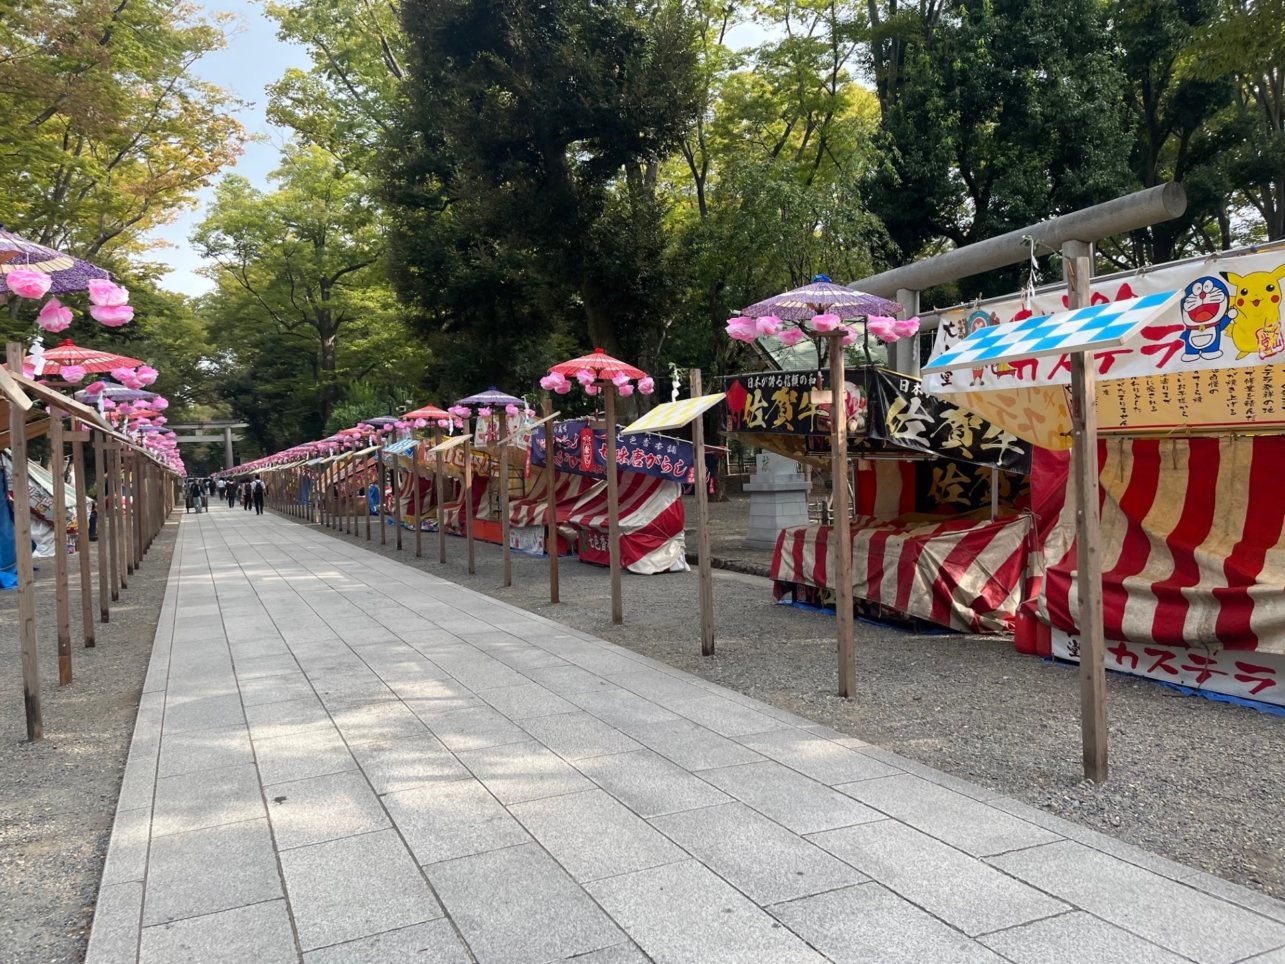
(428, 494)
(957, 572)
(570, 489)
(651, 524)
(451, 516)
(1192, 541)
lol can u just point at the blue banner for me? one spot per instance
(581, 452)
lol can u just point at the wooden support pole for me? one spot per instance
(381, 472)
(417, 475)
(504, 497)
(136, 474)
(551, 496)
(126, 517)
(440, 497)
(467, 509)
(82, 545)
(62, 604)
(26, 571)
(101, 489)
(1077, 258)
(994, 493)
(841, 531)
(613, 502)
(704, 566)
(395, 469)
(112, 504)
(365, 492)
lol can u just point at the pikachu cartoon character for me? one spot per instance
(1257, 299)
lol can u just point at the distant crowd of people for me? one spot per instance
(247, 492)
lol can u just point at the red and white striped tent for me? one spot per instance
(651, 525)
(451, 512)
(569, 489)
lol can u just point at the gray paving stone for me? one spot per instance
(517, 906)
(127, 849)
(1076, 938)
(648, 784)
(760, 858)
(206, 871)
(211, 749)
(203, 714)
(433, 943)
(618, 954)
(950, 817)
(525, 701)
(258, 666)
(114, 936)
(592, 835)
(1254, 900)
(1184, 920)
(407, 763)
(816, 757)
(899, 762)
(869, 924)
(578, 736)
(475, 728)
(311, 752)
(692, 746)
(946, 882)
(565, 680)
(341, 690)
(657, 686)
(323, 808)
(1271, 957)
(442, 821)
(516, 772)
(276, 689)
(723, 716)
(207, 798)
(259, 933)
(189, 689)
(796, 802)
(356, 887)
(620, 708)
(377, 722)
(683, 912)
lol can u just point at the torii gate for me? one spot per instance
(197, 434)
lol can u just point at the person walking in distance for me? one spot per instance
(246, 500)
(256, 490)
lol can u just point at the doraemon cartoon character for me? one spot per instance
(1205, 306)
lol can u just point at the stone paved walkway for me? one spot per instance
(339, 758)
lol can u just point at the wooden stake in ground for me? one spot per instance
(551, 495)
(100, 476)
(842, 527)
(381, 475)
(395, 472)
(504, 497)
(82, 540)
(116, 557)
(1077, 258)
(613, 502)
(365, 492)
(705, 564)
(419, 499)
(22, 545)
(62, 604)
(467, 509)
(440, 483)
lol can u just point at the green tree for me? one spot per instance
(301, 305)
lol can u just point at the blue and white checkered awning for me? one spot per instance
(1083, 329)
(401, 446)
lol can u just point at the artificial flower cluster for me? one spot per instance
(887, 329)
(559, 383)
(108, 301)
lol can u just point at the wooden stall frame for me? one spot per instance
(19, 405)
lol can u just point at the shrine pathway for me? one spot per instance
(339, 758)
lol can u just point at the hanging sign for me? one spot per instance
(583, 451)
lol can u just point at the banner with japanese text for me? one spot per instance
(581, 451)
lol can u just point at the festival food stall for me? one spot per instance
(1190, 405)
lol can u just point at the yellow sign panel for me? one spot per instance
(674, 414)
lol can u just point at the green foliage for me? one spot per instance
(361, 401)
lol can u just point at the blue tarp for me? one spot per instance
(8, 548)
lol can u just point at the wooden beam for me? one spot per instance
(551, 496)
(82, 542)
(467, 504)
(841, 530)
(100, 475)
(62, 605)
(504, 497)
(32, 429)
(26, 571)
(441, 495)
(613, 501)
(1077, 258)
(704, 564)
(419, 499)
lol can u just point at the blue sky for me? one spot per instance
(253, 58)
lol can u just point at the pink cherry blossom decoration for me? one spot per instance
(108, 404)
(72, 374)
(147, 374)
(512, 411)
(563, 387)
(460, 411)
(443, 423)
(120, 374)
(159, 403)
(53, 316)
(420, 423)
(485, 411)
(792, 336)
(620, 380)
(28, 284)
(113, 316)
(770, 325)
(824, 323)
(646, 385)
(850, 338)
(624, 391)
(107, 294)
(882, 327)
(907, 328)
(586, 378)
(592, 389)
(742, 329)
(95, 388)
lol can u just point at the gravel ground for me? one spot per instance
(1193, 780)
(58, 796)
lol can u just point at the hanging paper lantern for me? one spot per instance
(28, 284)
(53, 316)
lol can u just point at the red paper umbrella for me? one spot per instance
(426, 413)
(601, 364)
(93, 360)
